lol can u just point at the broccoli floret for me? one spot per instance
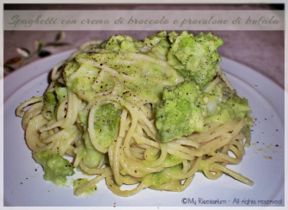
(178, 114)
(239, 106)
(157, 45)
(120, 43)
(195, 57)
(214, 93)
(234, 108)
(56, 168)
(241, 109)
(172, 36)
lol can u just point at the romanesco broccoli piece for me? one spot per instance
(178, 114)
(195, 57)
(56, 168)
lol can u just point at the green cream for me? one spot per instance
(78, 187)
(91, 156)
(156, 180)
(133, 71)
(107, 118)
(82, 80)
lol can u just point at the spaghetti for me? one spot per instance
(136, 156)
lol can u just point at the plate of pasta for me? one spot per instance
(163, 121)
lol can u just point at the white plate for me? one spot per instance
(263, 162)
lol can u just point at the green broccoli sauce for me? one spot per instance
(52, 98)
(56, 168)
(83, 118)
(156, 180)
(151, 154)
(82, 80)
(135, 73)
(172, 160)
(143, 75)
(69, 69)
(61, 93)
(78, 183)
(50, 102)
(159, 45)
(233, 108)
(91, 157)
(107, 119)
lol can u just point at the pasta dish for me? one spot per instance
(147, 113)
